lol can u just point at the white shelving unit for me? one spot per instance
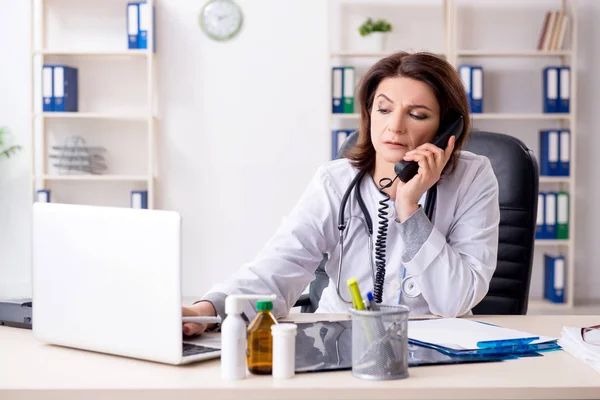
(42, 52)
(453, 51)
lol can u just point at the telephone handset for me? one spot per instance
(453, 124)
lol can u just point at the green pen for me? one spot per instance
(357, 300)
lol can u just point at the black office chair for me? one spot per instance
(517, 172)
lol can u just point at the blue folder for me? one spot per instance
(551, 85)
(337, 84)
(564, 90)
(65, 88)
(133, 24)
(146, 17)
(47, 88)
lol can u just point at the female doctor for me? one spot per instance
(441, 266)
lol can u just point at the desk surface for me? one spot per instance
(29, 369)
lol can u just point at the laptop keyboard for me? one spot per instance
(190, 349)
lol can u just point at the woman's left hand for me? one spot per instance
(432, 161)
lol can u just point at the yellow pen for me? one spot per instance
(355, 295)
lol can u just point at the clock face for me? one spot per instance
(221, 19)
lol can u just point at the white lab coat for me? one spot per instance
(452, 267)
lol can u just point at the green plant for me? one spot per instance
(370, 26)
(6, 153)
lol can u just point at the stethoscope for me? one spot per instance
(408, 286)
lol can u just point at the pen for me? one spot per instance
(355, 294)
(201, 320)
(372, 305)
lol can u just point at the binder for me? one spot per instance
(554, 278)
(550, 83)
(463, 337)
(132, 25)
(472, 78)
(65, 88)
(139, 199)
(539, 225)
(550, 216)
(465, 76)
(43, 196)
(564, 82)
(564, 153)
(338, 137)
(47, 88)
(145, 19)
(549, 153)
(476, 89)
(337, 83)
(348, 92)
(562, 215)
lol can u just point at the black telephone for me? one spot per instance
(452, 124)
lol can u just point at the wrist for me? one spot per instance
(406, 209)
(205, 308)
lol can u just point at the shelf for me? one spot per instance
(517, 116)
(85, 53)
(552, 242)
(345, 116)
(537, 306)
(362, 54)
(488, 116)
(555, 179)
(513, 54)
(92, 115)
(106, 178)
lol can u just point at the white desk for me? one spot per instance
(29, 370)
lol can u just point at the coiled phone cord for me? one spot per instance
(381, 239)
(382, 232)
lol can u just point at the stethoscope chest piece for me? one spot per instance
(410, 287)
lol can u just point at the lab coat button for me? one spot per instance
(391, 212)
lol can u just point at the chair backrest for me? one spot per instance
(517, 172)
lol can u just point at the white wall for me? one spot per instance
(243, 126)
(15, 200)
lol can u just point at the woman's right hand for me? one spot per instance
(200, 309)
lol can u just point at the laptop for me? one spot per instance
(108, 280)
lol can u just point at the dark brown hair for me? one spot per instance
(437, 73)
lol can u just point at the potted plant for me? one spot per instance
(8, 151)
(374, 33)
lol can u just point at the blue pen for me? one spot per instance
(372, 305)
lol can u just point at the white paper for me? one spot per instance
(464, 334)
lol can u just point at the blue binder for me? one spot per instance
(139, 199)
(564, 153)
(550, 215)
(476, 89)
(564, 84)
(554, 278)
(465, 76)
(549, 153)
(539, 225)
(337, 84)
(132, 25)
(47, 88)
(145, 18)
(550, 83)
(43, 196)
(472, 78)
(65, 88)
(338, 136)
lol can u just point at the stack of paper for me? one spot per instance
(572, 342)
(459, 336)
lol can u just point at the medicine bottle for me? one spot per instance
(260, 341)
